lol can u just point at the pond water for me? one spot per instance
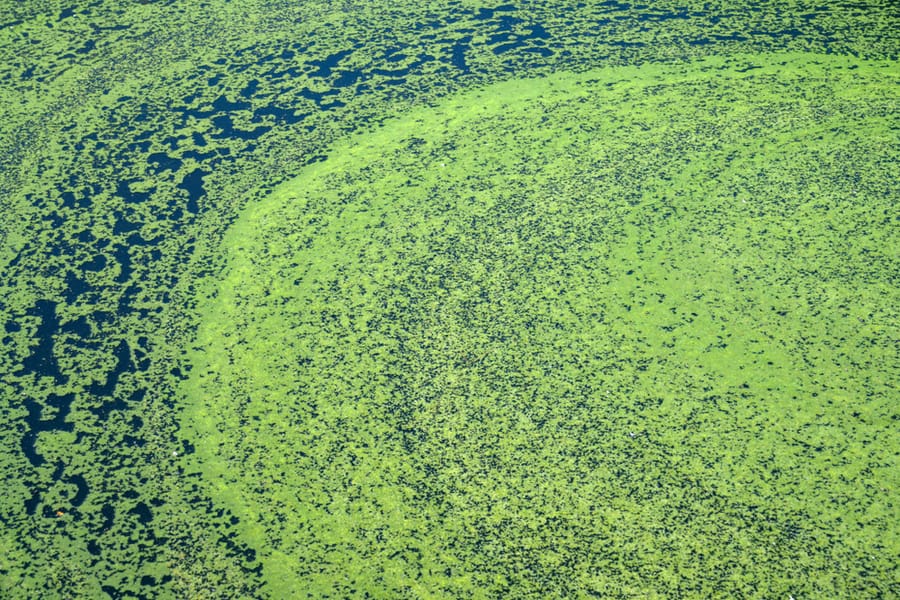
(338, 299)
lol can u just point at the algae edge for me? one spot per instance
(612, 353)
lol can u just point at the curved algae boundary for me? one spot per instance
(202, 420)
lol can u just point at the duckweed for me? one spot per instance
(457, 299)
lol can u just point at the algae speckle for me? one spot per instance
(514, 299)
(553, 338)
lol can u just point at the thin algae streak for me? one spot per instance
(624, 333)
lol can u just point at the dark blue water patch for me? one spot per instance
(143, 512)
(715, 39)
(102, 318)
(282, 116)
(42, 361)
(82, 144)
(193, 185)
(227, 130)
(56, 221)
(538, 32)
(485, 14)
(347, 78)
(505, 26)
(250, 89)
(123, 259)
(201, 157)
(623, 44)
(614, 5)
(105, 391)
(389, 82)
(127, 298)
(123, 225)
(141, 354)
(318, 97)
(395, 73)
(500, 37)
(85, 236)
(540, 50)
(137, 239)
(109, 590)
(682, 14)
(433, 24)
(142, 116)
(421, 60)
(32, 503)
(734, 37)
(223, 104)
(396, 53)
(161, 162)
(94, 265)
(324, 67)
(130, 441)
(97, 28)
(793, 33)
(80, 327)
(521, 46)
(75, 287)
(32, 421)
(283, 72)
(35, 423)
(124, 191)
(108, 512)
(81, 490)
(122, 355)
(458, 54)
(87, 47)
(74, 196)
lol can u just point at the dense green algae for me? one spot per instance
(625, 333)
(133, 133)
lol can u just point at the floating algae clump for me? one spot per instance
(622, 333)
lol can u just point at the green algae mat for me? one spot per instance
(582, 335)
(536, 300)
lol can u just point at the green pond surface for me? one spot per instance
(456, 300)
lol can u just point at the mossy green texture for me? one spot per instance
(134, 132)
(623, 333)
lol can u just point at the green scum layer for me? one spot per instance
(627, 333)
(134, 132)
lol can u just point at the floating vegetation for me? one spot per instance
(545, 299)
(597, 334)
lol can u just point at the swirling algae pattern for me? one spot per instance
(451, 300)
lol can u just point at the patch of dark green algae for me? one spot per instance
(627, 333)
(132, 135)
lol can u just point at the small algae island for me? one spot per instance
(523, 300)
